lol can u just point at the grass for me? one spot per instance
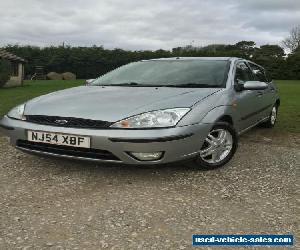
(289, 111)
(10, 97)
(289, 115)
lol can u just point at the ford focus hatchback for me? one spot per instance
(150, 112)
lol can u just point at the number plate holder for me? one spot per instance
(59, 139)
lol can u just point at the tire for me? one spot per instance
(229, 145)
(270, 123)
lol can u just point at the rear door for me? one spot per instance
(248, 102)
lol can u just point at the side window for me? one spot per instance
(268, 76)
(259, 73)
(243, 73)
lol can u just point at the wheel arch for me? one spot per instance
(220, 114)
(227, 119)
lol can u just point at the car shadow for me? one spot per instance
(271, 137)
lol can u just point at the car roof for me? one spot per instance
(196, 58)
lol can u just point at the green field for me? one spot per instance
(289, 114)
(10, 97)
(289, 111)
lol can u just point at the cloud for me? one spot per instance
(141, 24)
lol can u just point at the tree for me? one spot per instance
(293, 64)
(91, 62)
(245, 45)
(293, 41)
(247, 48)
(273, 51)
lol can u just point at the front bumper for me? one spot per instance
(177, 143)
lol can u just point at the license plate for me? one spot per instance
(59, 139)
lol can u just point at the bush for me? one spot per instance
(4, 72)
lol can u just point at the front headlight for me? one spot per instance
(17, 112)
(153, 119)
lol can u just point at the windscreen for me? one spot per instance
(194, 73)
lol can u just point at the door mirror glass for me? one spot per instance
(255, 85)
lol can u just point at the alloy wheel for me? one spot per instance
(217, 146)
(273, 115)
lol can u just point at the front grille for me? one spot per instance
(70, 122)
(66, 150)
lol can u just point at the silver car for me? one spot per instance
(150, 112)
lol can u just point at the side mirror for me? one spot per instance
(88, 81)
(255, 85)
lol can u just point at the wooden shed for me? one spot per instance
(17, 68)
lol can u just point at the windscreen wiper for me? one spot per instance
(127, 84)
(121, 84)
(194, 85)
(134, 84)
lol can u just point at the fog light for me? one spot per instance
(147, 156)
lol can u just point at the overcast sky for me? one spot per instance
(145, 24)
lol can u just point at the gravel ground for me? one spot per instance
(57, 204)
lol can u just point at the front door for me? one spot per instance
(267, 96)
(248, 102)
